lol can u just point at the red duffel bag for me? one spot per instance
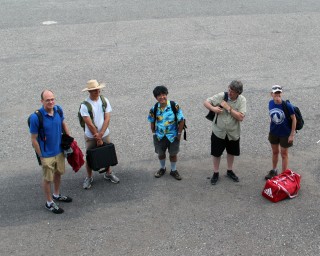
(286, 184)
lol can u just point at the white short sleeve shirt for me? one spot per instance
(98, 115)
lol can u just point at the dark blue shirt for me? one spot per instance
(279, 125)
(52, 129)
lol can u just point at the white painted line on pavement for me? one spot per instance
(49, 22)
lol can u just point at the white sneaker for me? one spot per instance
(87, 182)
(113, 178)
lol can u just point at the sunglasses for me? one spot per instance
(277, 87)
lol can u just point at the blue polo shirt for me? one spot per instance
(52, 129)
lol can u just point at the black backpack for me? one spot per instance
(297, 112)
(210, 116)
(174, 110)
(41, 132)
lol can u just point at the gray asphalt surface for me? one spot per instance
(195, 48)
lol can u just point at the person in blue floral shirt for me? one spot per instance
(166, 126)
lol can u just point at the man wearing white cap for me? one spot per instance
(97, 129)
(282, 130)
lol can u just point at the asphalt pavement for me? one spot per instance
(195, 48)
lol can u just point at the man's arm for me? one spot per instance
(35, 144)
(180, 128)
(234, 113)
(215, 109)
(90, 124)
(65, 127)
(105, 125)
(153, 127)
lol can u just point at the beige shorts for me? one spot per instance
(91, 142)
(50, 165)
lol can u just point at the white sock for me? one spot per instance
(49, 203)
(163, 163)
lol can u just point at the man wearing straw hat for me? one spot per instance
(97, 130)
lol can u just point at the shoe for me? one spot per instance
(232, 175)
(214, 178)
(53, 207)
(61, 198)
(175, 175)
(271, 174)
(160, 173)
(87, 182)
(113, 178)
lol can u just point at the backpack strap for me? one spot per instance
(155, 108)
(225, 98)
(41, 133)
(104, 103)
(89, 107)
(286, 111)
(60, 112)
(174, 110)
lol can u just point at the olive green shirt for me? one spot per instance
(226, 124)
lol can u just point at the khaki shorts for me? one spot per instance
(92, 143)
(283, 141)
(50, 165)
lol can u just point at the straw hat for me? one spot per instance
(93, 85)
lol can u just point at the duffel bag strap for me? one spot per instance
(286, 191)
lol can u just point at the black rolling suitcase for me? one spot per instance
(101, 157)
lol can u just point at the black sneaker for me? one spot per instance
(271, 174)
(61, 198)
(53, 207)
(232, 176)
(160, 173)
(214, 178)
(175, 175)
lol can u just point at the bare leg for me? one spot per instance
(47, 190)
(275, 155)
(230, 160)
(285, 158)
(56, 183)
(216, 163)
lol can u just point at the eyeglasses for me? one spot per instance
(49, 100)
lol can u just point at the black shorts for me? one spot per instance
(283, 141)
(219, 145)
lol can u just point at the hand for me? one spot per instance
(218, 110)
(179, 137)
(225, 105)
(290, 139)
(99, 142)
(97, 136)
